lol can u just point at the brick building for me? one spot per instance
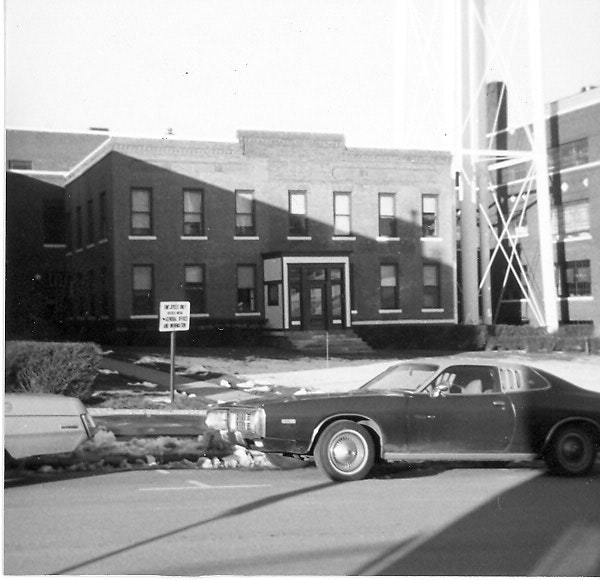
(573, 131)
(291, 230)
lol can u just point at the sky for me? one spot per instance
(380, 72)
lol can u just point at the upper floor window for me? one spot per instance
(341, 214)
(389, 286)
(246, 288)
(244, 214)
(194, 288)
(431, 286)
(103, 218)
(298, 223)
(571, 218)
(143, 289)
(141, 212)
(568, 155)
(54, 221)
(79, 228)
(90, 221)
(193, 212)
(576, 279)
(20, 164)
(69, 231)
(387, 215)
(429, 215)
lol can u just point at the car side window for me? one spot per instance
(470, 380)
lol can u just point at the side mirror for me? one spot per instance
(440, 390)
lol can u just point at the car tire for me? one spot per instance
(572, 451)
(345, 451)
(285, 462)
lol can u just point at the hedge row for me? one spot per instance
(65, 368)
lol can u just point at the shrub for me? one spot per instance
(52, 367)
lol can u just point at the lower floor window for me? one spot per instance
(194, 288)
(575, 278)
(246, 288)
(143, 299)
(389, 286)
(431, 286)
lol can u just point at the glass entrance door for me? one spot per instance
(316, 296)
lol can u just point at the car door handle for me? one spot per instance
(419, 416)
(499, 404)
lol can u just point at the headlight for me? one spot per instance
(249, 422)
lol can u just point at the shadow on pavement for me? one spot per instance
(548, 526)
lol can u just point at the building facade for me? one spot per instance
(295, 231)
(573, 132)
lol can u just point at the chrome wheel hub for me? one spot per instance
(347, 451)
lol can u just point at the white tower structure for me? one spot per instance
(482, 242)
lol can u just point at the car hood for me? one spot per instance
(277, 399)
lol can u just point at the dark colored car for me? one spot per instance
(433, 410)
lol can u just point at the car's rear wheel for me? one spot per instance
(345, 451)
(572, 451)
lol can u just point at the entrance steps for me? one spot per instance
(321, 343)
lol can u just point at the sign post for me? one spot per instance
(174, 317)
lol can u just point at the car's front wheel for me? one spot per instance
(345, 451)
(572, 451)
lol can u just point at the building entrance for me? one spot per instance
(316, 296)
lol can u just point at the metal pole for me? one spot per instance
(473, 48)
(172, 374)
(546, 243)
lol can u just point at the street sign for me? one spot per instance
(174, 316)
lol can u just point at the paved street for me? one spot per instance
(402, 521)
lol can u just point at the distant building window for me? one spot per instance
(341, 214)
(431, 286)
(298, 225)
(429, 215)
(194, 288)
(141, 212)
(79, 226)
(576, 279)
(143, 286)
(389, 286)
(246, 288)
(244, 213)
(79, 292)
(20, 164)
(54, 221)
(90, 221)
(69, 231)
(103, 217)
(387, 215)
(103, 292)
(91, 294)
(568, 155)
(193, 212)
(571, 218)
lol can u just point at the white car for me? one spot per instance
(44, 424)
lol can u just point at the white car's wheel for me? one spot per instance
(345, 451)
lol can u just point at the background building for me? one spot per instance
(288, 230)
(573, 129)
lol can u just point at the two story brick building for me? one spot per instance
(294, 231)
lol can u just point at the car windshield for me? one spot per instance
(402, 377)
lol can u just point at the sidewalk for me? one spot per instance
(212, 390)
